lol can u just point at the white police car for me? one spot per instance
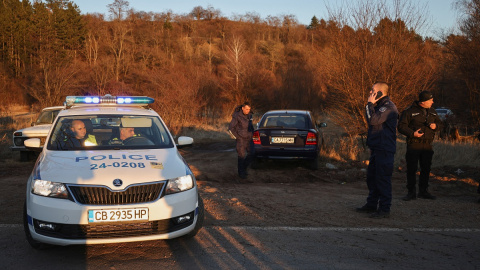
(110, 172)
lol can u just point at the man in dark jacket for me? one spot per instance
(242, 128)
(382, 118)
(419, 122)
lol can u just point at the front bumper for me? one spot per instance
(72, 226)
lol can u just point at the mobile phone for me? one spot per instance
(379, 94)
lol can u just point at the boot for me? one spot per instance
(248, 159)
(411, 195)
(242, 172)
(426, 195)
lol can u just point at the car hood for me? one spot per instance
(101, 168)
(40, 130)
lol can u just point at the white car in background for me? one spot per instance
(114, 188)
(444, 113)
(39, 129)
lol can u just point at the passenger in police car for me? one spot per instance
(79, 136)
(124, 134)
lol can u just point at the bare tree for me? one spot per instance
(118, 9)
(234, 60)
(375, 41)
(465, 53)
(52, 83)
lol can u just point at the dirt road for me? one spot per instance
(290, 194)
(288, 217)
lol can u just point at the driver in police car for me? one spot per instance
(80, 137)
(125, 133)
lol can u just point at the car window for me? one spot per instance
(47, 117)
(109, 132)
(285, 121)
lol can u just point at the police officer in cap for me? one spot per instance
(419, 122)
(382, 118)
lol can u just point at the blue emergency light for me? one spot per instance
(108, 100)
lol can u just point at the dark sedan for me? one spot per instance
(287, 134)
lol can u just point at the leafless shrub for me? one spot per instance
(374, 41)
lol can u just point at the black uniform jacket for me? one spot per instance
(382, 118)
(416, 117)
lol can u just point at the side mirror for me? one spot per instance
(33, 144)
(184, 141)
(320, 125)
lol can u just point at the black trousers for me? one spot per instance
(418, 153)
(244, 151)
(379, 180)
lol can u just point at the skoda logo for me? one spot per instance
(117, 182)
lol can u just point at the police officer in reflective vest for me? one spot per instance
(419, 122)
(125, 133)
(78, 136)
(382, 118)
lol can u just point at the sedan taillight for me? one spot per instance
(256, 137)
(311, 139)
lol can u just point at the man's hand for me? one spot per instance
(433, 126)
(418, 133)
(371, 98)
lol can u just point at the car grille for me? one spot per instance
(95, 195)
(113, 230)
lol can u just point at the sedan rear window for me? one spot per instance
(285, 121)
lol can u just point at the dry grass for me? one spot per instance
(205, 132)
(447, 153)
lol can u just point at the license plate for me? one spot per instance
(116, 215)
(283, 140)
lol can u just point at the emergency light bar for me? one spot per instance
(108, 100)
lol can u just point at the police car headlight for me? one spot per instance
(179, 184)
(49, 189)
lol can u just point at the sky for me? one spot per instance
(441, 14)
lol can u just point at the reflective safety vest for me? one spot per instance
(90, 141)
(118, 141)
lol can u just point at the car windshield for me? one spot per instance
(46, 117)
(285, 121)
(109, 132)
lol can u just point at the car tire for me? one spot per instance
(33, 243)
(313, 164)
(200, 218)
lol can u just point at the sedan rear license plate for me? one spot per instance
(283, 140)
(116, 215)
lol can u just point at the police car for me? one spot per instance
(92, 184)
